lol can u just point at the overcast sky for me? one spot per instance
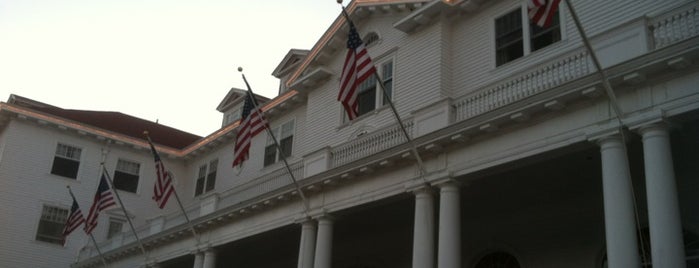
(166, 60)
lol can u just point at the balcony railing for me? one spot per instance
(518, 87)
(369, 144)
(675, 26)
(666, 29)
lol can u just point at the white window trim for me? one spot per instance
(53, 155)
(109, 223)
(277, 135)
(207, 164)
(40, 213)
(526, 35)
(378, 98)
(140, 176)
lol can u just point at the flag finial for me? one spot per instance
(240, 69)
(339, 2)
(145, 132)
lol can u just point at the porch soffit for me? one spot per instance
(648, 62)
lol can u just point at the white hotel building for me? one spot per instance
(525, 162)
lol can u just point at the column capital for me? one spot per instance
(647, 118)
(663, 125)
(324, 216)
(201, 248)
(418, 187)
(303, 220)
(606, 134)
(448, 182)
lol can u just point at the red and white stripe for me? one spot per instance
(541, 12)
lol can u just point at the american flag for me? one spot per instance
(75, 219)
(163, 187)
(104, 199)
(358, 67)
(252, 123)
(541, 12)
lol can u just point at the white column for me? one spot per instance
(667, 247)
(307, 245)
(423, 234)
(324, 243)
(198, 259)
(619, 219)
(449, 250)
(209, 258)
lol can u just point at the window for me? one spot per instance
(206, 181)
(126, 175)
(115, 227)
(498, 259)
(51, 224)
(370, 96)
(512, 41)
(66, 161)
(285, 137)
(370, 39)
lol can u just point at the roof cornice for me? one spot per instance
(337, 25)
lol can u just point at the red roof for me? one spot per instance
(115, 122)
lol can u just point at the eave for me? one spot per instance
(334, 38)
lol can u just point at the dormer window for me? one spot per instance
(370, 39)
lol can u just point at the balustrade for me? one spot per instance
(666, 29)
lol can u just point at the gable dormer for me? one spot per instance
(232, 104)
(314, 70)
(287, 66)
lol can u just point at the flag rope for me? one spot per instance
(128, 219)
(92, 237)
(174, 191)
(413, 147)
(617, 111)
(305, 202)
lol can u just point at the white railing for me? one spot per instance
(667, 29)
(523, 85)
(267, 183)
(672, 27)
(369, 144)
(675, 26)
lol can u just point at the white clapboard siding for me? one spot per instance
(27, 184)
(474, 45)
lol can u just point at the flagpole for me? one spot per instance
(177, 197)
(279, 149)
(121, 204)
(605, 81)
(413, 147)
(615, 106)
(104, 261)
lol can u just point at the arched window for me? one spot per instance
(498, 259)
(370, 39)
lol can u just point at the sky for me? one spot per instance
(170, 61)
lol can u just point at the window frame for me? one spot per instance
(76, 160)
(379, 99)
(49, 238)
(109, 232)
(284, 139)
(117, 176)
(206, 176)
(526, 28)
